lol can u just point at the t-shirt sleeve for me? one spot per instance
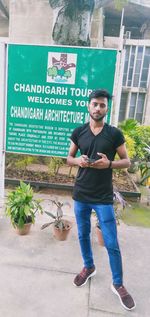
(74, 136)
(119, 138)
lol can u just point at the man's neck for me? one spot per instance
(96, 127)
(96, 124)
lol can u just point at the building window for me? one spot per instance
(145, 70)
(137, 106)
(136, 67)
(140, 107)
(138, 64)
(132, 105)
(136, 76)
(126, 65)
(123, 103)
(131, 65)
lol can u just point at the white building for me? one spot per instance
(135, 94)
(32, 22)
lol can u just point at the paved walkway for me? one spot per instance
(36, 272)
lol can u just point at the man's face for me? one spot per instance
(98, 108)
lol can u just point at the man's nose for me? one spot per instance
(98, 107)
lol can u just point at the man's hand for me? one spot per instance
(102, 163)
(83, 161)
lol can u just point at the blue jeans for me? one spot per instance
(106, 217)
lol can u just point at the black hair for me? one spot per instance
(100, 93)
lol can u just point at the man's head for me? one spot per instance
(98, 104)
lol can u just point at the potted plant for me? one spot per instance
(61, 227)
(21, 207)
(119, 205)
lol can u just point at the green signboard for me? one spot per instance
(47, 94)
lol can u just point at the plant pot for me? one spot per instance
(24, 230)
(62, 234)
(99, 236)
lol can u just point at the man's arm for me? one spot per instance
(124, 161)
(72, 160)
(104, 162)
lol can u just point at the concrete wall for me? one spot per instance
(4, 26)
(96, 34)
(30, 21)
(110, 42)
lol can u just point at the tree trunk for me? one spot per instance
(73, 21)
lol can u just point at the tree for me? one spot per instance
(52, 71)
(73, 20)
(67, 74)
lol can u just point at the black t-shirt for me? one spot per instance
(95, 185)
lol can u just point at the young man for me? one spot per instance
(98, 143)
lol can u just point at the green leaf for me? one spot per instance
(46, 225)
(50, 214)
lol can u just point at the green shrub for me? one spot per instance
(131, 146)
(21, 207)
(140, 134)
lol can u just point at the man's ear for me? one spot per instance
(107, 109)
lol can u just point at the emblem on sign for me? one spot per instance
(61, 68)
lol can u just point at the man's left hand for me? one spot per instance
(102, 163)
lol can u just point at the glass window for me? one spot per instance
(144, 78)
(139, 117)
(127, 52)
(140, 107)
(132, 105)
(124, 79)
(131, 65)
(140, 52)
(147, 51)
(146, 63)
(143, 84)
(126, 65)
(138, 66)
(133, 49)
(132, 60)
(123, 104)
(129, 83)
(130, 73)
(133, 74)
(144, 74)
(136, 80)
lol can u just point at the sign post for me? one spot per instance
(48, 90)
(2, 119)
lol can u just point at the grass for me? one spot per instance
(137, 215)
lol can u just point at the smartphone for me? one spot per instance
(90, 160)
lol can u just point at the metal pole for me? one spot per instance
(2, 119)
(118, 76)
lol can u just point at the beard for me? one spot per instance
(98, 118)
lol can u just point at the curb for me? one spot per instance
(38, 185)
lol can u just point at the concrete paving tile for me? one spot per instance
(40, 248)
(136, 259)
(33, 267)
(100, 313)
(35, 293)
